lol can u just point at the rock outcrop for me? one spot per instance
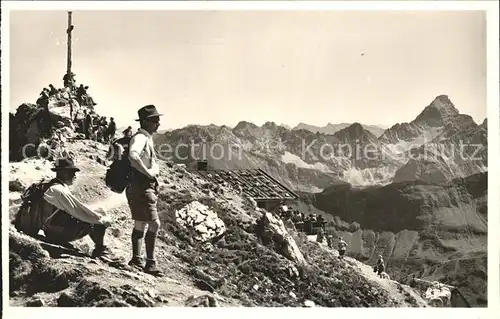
(271, 230)
(35, 133)
(204, 223)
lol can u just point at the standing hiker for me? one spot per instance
(143, 188)
(43, 102)
(380, 267)
(342, 248)
(110, 130)
(87, 124)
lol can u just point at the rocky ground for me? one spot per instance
(240, 268)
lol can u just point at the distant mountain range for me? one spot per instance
(425, 149)
(330, 128)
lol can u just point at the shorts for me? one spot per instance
(142, 199)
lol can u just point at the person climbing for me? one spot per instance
(143, 189)
(380, 267)
(62, 217)
(342, 248)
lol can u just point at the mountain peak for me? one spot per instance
(353, 132)
(439, 112)
(244, 124)
(355, 126)
(485, 124)
(270, 125)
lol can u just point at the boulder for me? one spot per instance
(202, 301)
(438, 295)
(272, 231)
(200, 220)
(16, 186)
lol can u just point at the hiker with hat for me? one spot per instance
(379, 267)
(342, 247)
(59, 214)
(143, 189)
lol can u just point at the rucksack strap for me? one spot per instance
(46, 187)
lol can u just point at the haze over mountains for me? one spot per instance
(440, 144)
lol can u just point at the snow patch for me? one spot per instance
(290, 158)
(369, 176)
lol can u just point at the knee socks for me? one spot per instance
(150, 245)
(137, 236)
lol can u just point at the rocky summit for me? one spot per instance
(218, 247)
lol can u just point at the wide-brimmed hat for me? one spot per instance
(147, 111)
(65, 164)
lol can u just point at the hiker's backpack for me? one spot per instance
(117, 175)
(34, 210)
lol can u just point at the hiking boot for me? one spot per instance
(151, 269)
(101, 251)
(136, 262)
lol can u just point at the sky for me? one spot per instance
(222, 67)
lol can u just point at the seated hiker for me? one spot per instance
(61, 216)
(342, 248)
(80, 91)
(53, 90)
(380, 267)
